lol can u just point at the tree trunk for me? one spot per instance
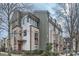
(9, 46)
(71, 46)
(76, 46)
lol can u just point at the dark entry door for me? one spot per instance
(19, 47)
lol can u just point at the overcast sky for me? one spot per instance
(45, 6)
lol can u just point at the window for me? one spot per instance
(27, 19)
(36, 38)
(32, 22)
(20, 34)
(36, 34)
(25, 32)
(37, 24)
(14, 40)
(14, 43)
(54, 28)
(23, 22)
(15, 33)
(36, 41)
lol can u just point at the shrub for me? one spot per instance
(27, 52)
(16, 52)
(49, 46)
(55, 53)
(48, 51)
(41, 51)
(33, 52)
(44, 53)
(71, 54)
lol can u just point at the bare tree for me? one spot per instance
(77, 26)
(69, 13)
(6, 9)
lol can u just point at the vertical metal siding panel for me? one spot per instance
(43, 29)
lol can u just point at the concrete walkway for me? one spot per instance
(6, 54)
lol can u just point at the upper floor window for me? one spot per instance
(23, 22)
(33, 22)
(27, 19)
(37, 24)
(54, 28)
(25, 32)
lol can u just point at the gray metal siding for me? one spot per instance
(43, 28)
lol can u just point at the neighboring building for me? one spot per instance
(61, 45)
(4, 44)
(76, 42)
(34, 30)
(67, 45)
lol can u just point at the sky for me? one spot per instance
(40, 6)
(45, 6)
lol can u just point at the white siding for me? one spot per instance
(32, 22)
(26, 26)
(51, 37)
(33, 46)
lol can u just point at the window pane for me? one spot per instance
(36, 35)
(36, 38)
(36, 41)
(23, 21)
(27, 19)
(25, 32)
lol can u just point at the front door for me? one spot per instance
(19, 47)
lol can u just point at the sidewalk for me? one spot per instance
(62, 55)
(6, 54)
(3, 54)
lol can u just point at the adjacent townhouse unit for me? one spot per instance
(67, 45)
(3, 44)
(32, 31)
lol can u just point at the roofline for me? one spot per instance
(40, 11)
(22, 14)
(55, 24)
